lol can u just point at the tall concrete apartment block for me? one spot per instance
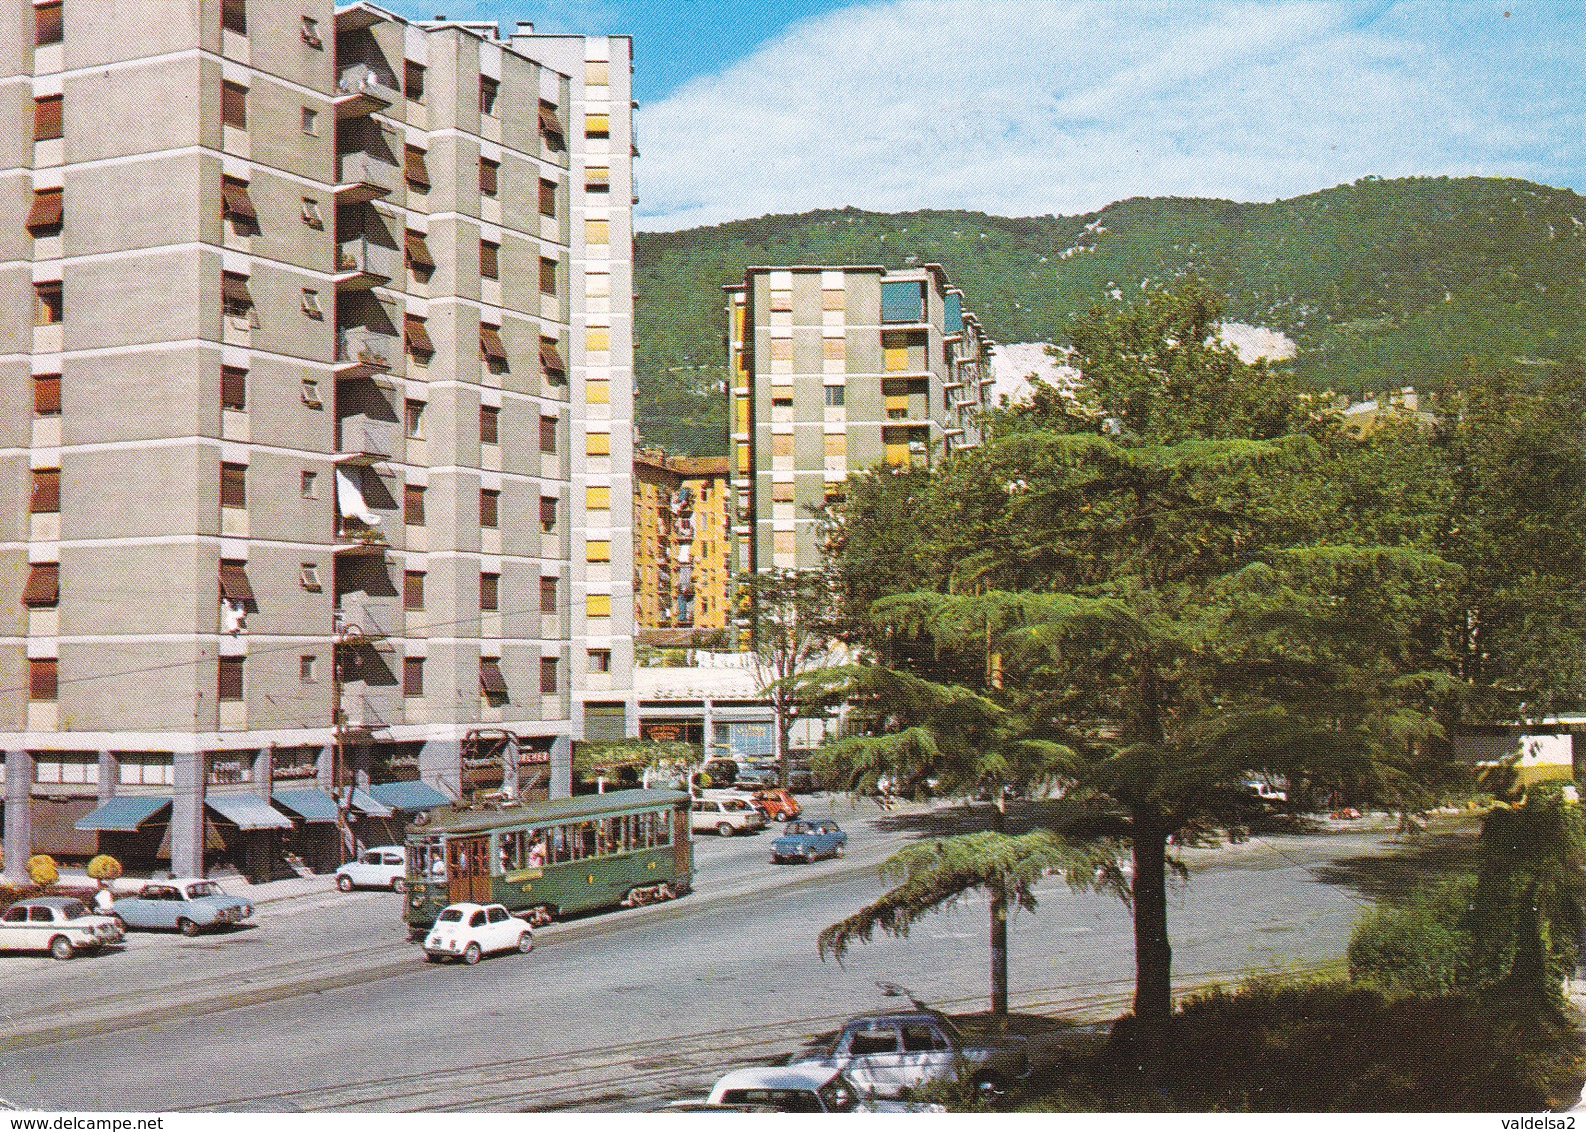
(838, 370)
(315, 357)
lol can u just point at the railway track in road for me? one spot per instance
(648, 1072)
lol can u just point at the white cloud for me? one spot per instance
(1020, 108)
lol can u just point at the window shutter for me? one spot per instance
(488, 90)
(489, 176)
(44, 585)
(413, 589)
(597, 550)
(234, 105)
(418, 338)
(491, 682)
(234, 200)
(548, 435)
(490, 343)
(47, 394)
(597, 178)
(489, 425)
(550, 359)
(43, 680)
(234, 293)
(46, 491)
(547, 276)
(547, 198)
(489, 592)
(234, 585)
(413, 80)
(548, 681)
(234, 16)
(46, 211)
(551, 126)
(597, 231)
(413, 676)
(489, 507)
(547, 595)
(47, 117)
(414, 169)
(597, 125)
(418, 252)
(597, 498)
(233, 485)
(489, 260)
(597, 605)
(47, 24)
(547, 513)
(413, 505)
(229, 679)
(597, 444)
(233, 387)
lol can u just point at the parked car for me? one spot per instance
(726, 816)
(1265, 790)
(800, 1088)
(801, 778)
(384, 866)
(778, 805)
(468, 931)
(722, 772)
(806, 840)
(883, 1054)
(185, 904)
(61, 925)
(753, 776)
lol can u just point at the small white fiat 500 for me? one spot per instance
(384, 866)
(468, 931)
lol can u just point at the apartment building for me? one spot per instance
(682, 535)
(316, 344)
(836, 370)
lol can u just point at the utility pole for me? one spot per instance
(338, 717)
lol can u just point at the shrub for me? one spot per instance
(42, 870)
(104, 867)
(1422, 948)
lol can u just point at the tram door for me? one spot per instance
(468, 869)
(680, 833)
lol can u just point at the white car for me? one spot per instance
(468, 931)
(384, 866)
(801, 1088)
(60, 925)
(726, 816)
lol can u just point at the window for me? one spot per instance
(235, 298)
(782, 492)
(548, 513)
(597, 126)
(311, 305)
(310, 32)
(44, 218)
(49, 306)
(489, 593)
(417, 337)
(312, 215)
(308, 577)
(597, 337)
(597, 550)
(491, 683)
(597, 605)
(413, 80)
(597, 499)
(834, 396)
(548, 595)
(902, 301)
(235, 588)
(413, 589)
(548, 683)
(46, 495)
(547, 198)
(600, 660)
(551, 361)
(414, 169)
(77, 770)
(488, 90)
(228, 683)
(233, 388)
(311, 394)
(489, 177)
(310, 122)
(419, 260)
(490, 346)
(597, 179)
(413, 676)
(234, 16)
(47, 117)
(489, 507)
(413, 505)
(237, 206)
(47, 394)
(309, 485)
(146, 770)
(305, 669)
(597, 231)
(597, 444)
(43, 588)
(551, 126)
(548, 435)
(413, 417)
(47, 24)
(489, 424)
(597, 74)
(233, 485)
(43, 680)
(489, 260)
(547, 275)
(228, 769)
(234, 105)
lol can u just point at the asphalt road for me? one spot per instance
(627, 1010)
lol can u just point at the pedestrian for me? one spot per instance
(104, 900)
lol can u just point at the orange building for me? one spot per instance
(682, 529)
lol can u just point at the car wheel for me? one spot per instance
(120, 923)
(839, 851)
(398, 884)
(471, 954)
(526, 943)
(776, 858)
(431, 957)
(724, 829)
(61, 947)
(344, 882)
(187, 927)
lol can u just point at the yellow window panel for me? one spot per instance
(597, 392)
(597, 498)
(597, 74)
(597, 605)
(897, 454)
(597, 125)
(837, 444)
(895, 358)
(743, 414)
(896, 402)
(834, 300)
(597, 550)
(782, 349)
(597, 444)
(739, 313)
(782, 444)
(782, 493)
(834, 349)
(743, 458)
(597, 231)
(781, 300)
(597, 338)
(784, 543)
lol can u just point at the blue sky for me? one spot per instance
(1026, 107)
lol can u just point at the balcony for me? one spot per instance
(361, 352)
(361, 263)
(363, 618)
(366, 440)
(360, 90)
(365, 177)
(371, 707)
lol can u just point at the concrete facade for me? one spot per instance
(682, 562)
(839, 369)
(291, 389)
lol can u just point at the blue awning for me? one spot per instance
(410, 797)
(247, 811)
(310, 805)
(123, 815)
(371, 806)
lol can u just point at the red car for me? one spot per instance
(778, 804)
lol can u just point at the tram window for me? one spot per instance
(561, 848)
(663, 827)
(586, 840)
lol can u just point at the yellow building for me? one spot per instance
(682, 534)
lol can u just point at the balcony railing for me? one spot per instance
(361, 351)
(362, 263)
(364, 176)
(361, 90)
(366, 440)
(362, 619)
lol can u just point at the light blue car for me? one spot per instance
(184, 904)
(806, 840)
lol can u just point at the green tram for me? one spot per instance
(545, 859)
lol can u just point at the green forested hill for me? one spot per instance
(1380, 283)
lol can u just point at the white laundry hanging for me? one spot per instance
(350, 501)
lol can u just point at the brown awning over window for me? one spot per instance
(234, 290)
(46, 394)
(418, 251)
(418, 338)
(550, 359)
(46, 210)
(490, 343)
(234, 585)
(414, 169)
(46, 491)
(47, 117)
(235, 200)
(491, 682)
(44, 584)
(550, 124)
(489, 176)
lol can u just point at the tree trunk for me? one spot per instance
(1153, 957)
(784, 731)
(999, 952)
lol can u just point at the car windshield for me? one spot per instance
(797, 827)
(451, 916)
(202, 889)
(72, 909)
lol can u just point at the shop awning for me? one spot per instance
(247, 811)
(123, 815)
(310, 805)
(409, 797)
(371, 806)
